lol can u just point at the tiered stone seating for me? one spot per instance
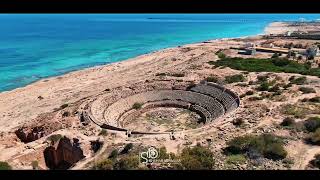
(209, 100)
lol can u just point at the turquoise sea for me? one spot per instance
(35, 46)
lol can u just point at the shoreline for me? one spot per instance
(124, 60)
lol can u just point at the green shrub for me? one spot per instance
(316, 161)
(248, 93)
(275, 151)
(66, 114)
(299, 81)
(106, 164)
(287, 86)
(288, 122)
(212, 79)
(235, 78)
(280, 62)
(127, 148)
(35, 164)
(221, 55)
(306, 90)
(113, 154)
(55, 138)
(312, 124)
(296, 111)
(315, 99)
(315, 137)
(242, 96)
(275, 88)
(264, 86)
(63, 106)
(238, 121)
(5, 166)
(137, 106)
(236, 159)
(268, 145)
(197, 157)
(262, 78)
(103, 132)
(265, 65)
(127, 163)
(275, 55)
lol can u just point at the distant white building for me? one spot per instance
(249, 45)
(288, 33)
(312, 51)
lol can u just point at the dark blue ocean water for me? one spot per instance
(35, 46)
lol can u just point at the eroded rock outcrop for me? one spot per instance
(30, 134)
(63, 153)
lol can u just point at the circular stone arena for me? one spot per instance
(197, 104)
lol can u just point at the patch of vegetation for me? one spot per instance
(242, 96)
(294, 110)
(264, 86)
(288, 121)
(236, 159)
(238, 121)
(113, 154)
(127, 148)
(299, 81)
(280, 62)
(106, 164)
(288, 162)
(137, 106)
(127, 163)
(315, 137)
(266, 145)
(235, 78)
(103, 132)
(316, 161)
(4, 166)
(287, 86)
(40, 97)
(275, 88)
(242, 84)
(221, 55)
(177, 74)
(307, 90)
(163, 154)
(249, 93)
(55, 138)
(262, 78)
(275, 55)
(35, 165)
(66, 114)
(312, 124)
(198, 157)
(315, 99)
(212, 79)
(64, 106)
(255, 98)
(266, 65)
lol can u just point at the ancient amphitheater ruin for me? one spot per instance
(206, 99)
